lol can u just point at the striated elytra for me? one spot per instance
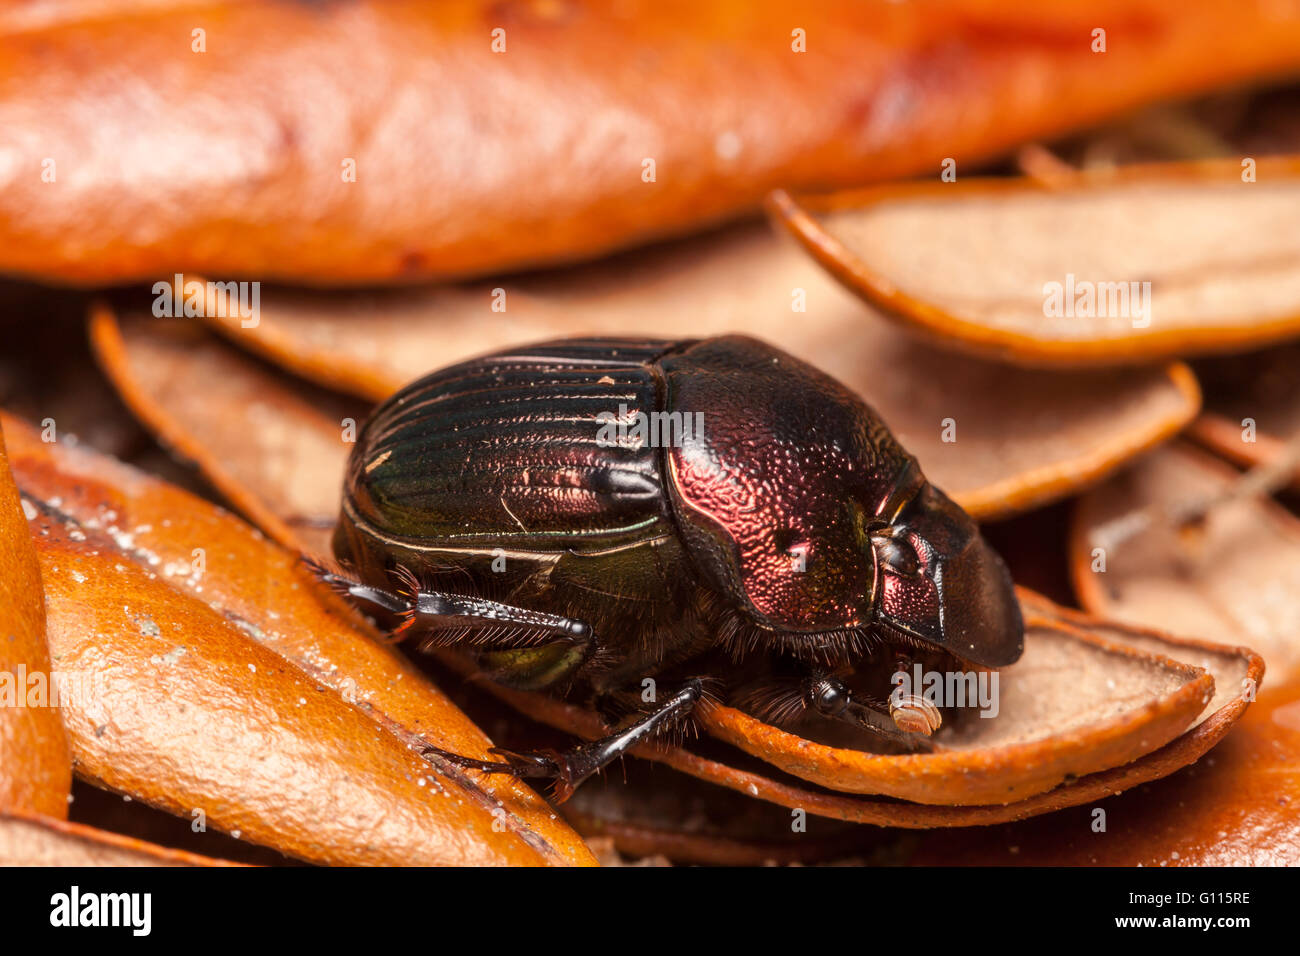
(639, 521)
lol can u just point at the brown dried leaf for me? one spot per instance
(1023, 437)
(1236, 807)
(286, 440)
(1234, 579)
(1223, 711)
(968, 263)
(1074, 704)
(35, 763)
(1235, 669)
(1258, 390)
(670, 840)
(44, 841)
(216, 613)
(468, 161)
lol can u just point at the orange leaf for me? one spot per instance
(432, 155)
(35, 765)
(1236, 807)
(193, 610)
(1074, 704)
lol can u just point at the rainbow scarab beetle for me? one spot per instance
(585, 514)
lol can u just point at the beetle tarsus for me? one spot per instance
(351, 587)
(538, 763)
(568, 770)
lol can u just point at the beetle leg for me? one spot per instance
(459, 615)
(831, 697)
(569, 769)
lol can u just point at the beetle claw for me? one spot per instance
(532, 762)
(568, 770)
(536, 764)
(544, 763)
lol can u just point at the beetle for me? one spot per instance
(584, 514)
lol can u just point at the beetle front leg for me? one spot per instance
(418, 608)
(570, 769)
(518, 647)
(831, 698)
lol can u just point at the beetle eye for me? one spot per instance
(896, 554)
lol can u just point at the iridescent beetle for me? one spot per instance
(585, 514)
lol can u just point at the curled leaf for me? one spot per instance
(35, 763)
(217, 568)
(1074, 704)
(239, 426)
(1144, 263)
(997, 440)
(1237, 671)
(1235, 807)
(1252, 407)
(645, 810)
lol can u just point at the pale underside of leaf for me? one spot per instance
(998, 440)
(1234, 580)
(1150, 262)
(43, 841)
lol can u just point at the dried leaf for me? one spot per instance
(1022, 437)
(1236, 807)
(1074, 704)
(285, 440)
(1236, 670)
(35, 763)
(637, 840)
(229, 591)
(43, 841)
(1143, 263)
(1252, 406)
(1233, 579)
(648, 810)
(181, 709)
(1225, 662)
(468, 160)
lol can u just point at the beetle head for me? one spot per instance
(937, 579)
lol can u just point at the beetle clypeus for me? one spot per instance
(486, 508)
